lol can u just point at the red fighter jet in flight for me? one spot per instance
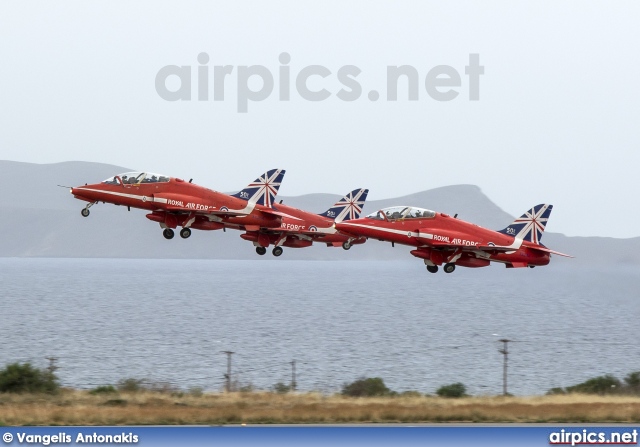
(173, 203)
(441, 239)
(301, 228)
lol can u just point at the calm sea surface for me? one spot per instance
(169, 320)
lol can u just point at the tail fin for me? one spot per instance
(264, 189)
(349, 207)
(530, 226)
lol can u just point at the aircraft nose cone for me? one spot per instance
(81, 191)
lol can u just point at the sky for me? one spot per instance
(555, 118)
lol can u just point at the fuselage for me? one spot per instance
(437, 236)
(299, 228)
(174, 202)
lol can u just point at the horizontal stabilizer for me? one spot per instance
(546, 250)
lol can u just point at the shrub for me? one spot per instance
(557, 390)
(633, 382)
(196, 391)
(115, 403)
(131, 385)
(598, 385)
(454, 390)
(372, 386)
(161, 387)
(411, 393)
(24, 378)
(249, 388)
(104, 389)
(281, 388)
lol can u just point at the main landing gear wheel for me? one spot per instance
(185, 233)
(85, 212)
(261, 250)
(449, 268)
(432, 268)
(277, 251)
(168, 233)
(346, 245)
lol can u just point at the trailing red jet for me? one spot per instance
(300, 229)
(444, 240)
(175, 203)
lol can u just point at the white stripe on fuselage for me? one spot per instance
(246, 210)
(142, 198)
(417, 234)
(408, 233)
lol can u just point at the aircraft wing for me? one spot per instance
(226, 213)
(201, 211)
(468, 247)
(494, 248)
(223, 212)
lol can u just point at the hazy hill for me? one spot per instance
(42, 220)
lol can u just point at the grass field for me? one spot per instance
(71, 407)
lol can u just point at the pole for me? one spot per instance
(293, 375)
(505, 353)
(228, 374)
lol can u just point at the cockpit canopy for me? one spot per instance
(134, 178)
(402, 212)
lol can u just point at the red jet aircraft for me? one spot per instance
(301, 228)
(174, 202)
(442, 239)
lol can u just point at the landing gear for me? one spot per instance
(261, 250)
(168, 233)
(432, 268)
(185, 233)
(277, 251)
(85, 210)
(449, 268)
(346, 245)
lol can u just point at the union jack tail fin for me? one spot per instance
(349, 207)
(530, 226)
(263, 190)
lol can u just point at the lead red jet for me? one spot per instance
(173, 203)
(444, 240)
(300, 228)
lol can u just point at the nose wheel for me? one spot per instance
(261, 250)
(168, 233)
(346, 245)
(85, 211)
(185, 233)
(277, 251)
(432, 268)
